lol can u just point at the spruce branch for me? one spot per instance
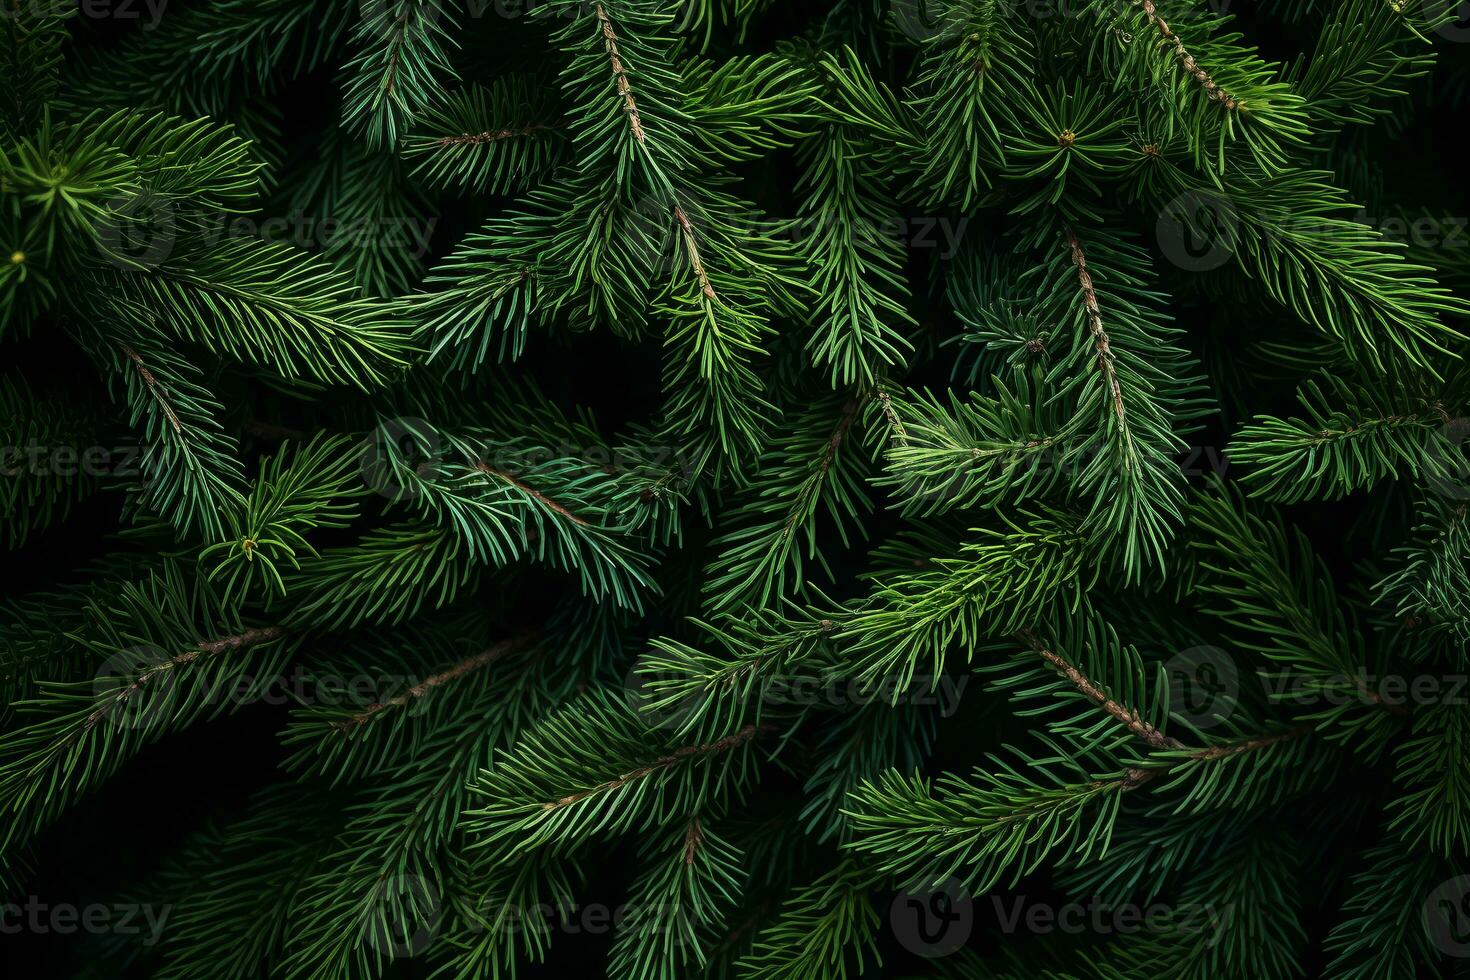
(158, 675)
(1124, 715)
(613, 775)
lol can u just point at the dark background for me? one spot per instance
(104, 846)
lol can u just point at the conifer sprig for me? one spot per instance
(739, 464)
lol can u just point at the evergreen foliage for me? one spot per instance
(741, 464)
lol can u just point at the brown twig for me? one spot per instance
(249, 638)
(1186, 60)
(691, 245)
(893, 420)
(1138, 776)
(692, 841)
(225, 644)
(630, 104)
(492, 136)
(1125, 715)
(395, 56)
(731, 741)
(537, 495)
(152, 384)
(1095, 327)
(829, 453)
(467, 666)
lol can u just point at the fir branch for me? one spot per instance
(1124, 715)
(470, 664)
